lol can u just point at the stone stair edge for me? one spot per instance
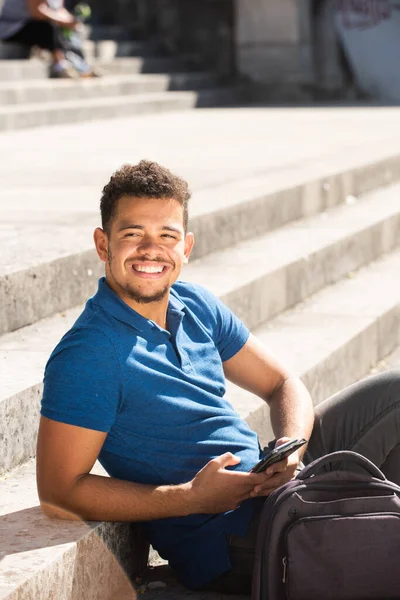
(42, 93)
(40, 293)
(362, 308)
(92, 102)
(49, 558)
(292, 280)
(35, 68)
(224, 227)
(366, 230)
(67, 112)
(93, 47)
(98, 82)
(28, 116)
(367, 336)
(358, 364)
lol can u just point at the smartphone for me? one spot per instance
(278, 454)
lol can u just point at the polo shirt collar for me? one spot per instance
(107, 299)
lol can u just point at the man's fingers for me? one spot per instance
(274, 482)
(226, 460)
(281, 441)
(278, 467)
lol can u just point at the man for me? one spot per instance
(139, 383)
(48, 25)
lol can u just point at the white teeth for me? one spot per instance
(144, 269)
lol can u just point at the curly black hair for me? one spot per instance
(145, 180)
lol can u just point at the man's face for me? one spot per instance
(146, 248)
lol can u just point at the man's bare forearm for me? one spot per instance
(43, 12)
(292, 413)
(98, 498)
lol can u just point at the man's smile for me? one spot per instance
(149, 270)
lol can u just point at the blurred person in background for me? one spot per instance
(49, 26)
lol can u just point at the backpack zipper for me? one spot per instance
(284, 562)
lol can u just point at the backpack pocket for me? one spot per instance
(343, 557)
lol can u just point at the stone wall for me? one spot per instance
(273, 41)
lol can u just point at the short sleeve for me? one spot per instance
(232, 333)
(227, 330)
(82, 381)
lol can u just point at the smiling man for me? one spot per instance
(139, 383)
(148, 248)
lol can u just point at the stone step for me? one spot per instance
(75, 111)
(47, 558)
(257, 279)
(11, 70)
(37, 262)
(50, 90)
(106, 49)
(390, 361)
(337, 336)
(42, 558)
(261, 277)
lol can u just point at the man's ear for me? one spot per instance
(189, 243)
(101, 243)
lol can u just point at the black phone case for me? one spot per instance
(276, 456)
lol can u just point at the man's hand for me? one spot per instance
(279, 473)
(66, 18)
(38, 9)
(215, 489)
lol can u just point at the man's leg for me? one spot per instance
(47, 36)
(242, 553)
(365, 418)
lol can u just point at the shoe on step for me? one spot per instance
(62, 70)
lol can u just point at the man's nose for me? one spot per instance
(148, 246)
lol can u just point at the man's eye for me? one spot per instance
(168, 236)
(131, 234)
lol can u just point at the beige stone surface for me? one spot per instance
(391, 361)
(53, 559)
(315, 252)
(363, 309)
(63, 178)
(271, 157)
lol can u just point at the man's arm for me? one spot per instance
(42, 12)
(257, 370)
(66, 454)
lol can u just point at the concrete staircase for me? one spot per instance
(135, 81)
(307, 255)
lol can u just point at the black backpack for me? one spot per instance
(330, 535)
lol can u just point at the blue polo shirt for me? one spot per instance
(159, 395)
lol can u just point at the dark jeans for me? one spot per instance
(365, 418)
(47, 36)
(38, 33)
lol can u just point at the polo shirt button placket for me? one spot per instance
(186, 364)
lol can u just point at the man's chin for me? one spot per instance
(147, 299)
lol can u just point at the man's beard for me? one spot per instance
(135, 294)
(142, 299)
